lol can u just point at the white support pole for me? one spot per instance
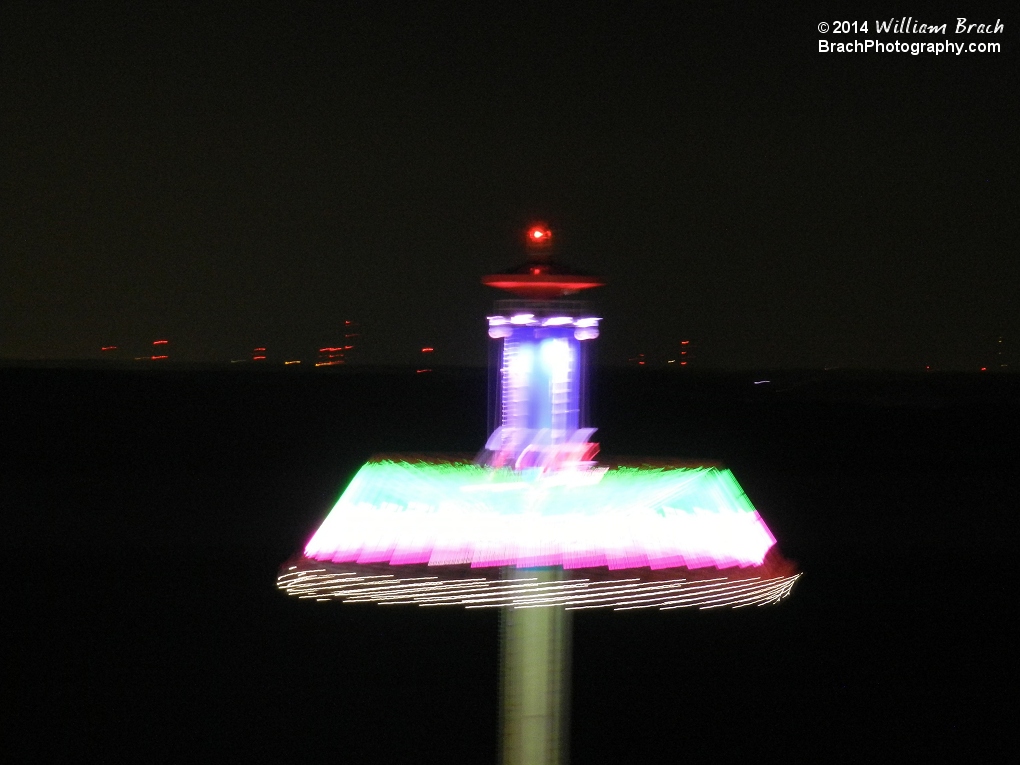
(535, 647)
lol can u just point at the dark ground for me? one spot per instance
(144, 516)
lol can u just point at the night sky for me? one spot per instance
(253, 176)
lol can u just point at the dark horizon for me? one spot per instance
(149, 515)
(306, 365)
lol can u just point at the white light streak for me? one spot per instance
(348, 585)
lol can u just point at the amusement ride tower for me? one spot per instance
(533, 524)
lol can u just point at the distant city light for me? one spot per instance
(337, 355)
(330, 357)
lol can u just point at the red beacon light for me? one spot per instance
(539, 236)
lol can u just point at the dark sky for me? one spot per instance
(249, 176)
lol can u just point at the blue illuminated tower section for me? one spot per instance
(538, 381)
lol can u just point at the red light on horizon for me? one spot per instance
(160, 342)
(159, 357)
(685, 342)
(109, 348)
(426, 350)
(260, 349)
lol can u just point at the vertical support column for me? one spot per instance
(535, 647)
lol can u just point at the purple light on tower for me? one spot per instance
(541, 378)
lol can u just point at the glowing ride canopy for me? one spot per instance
(463, 514)
(440, 532)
